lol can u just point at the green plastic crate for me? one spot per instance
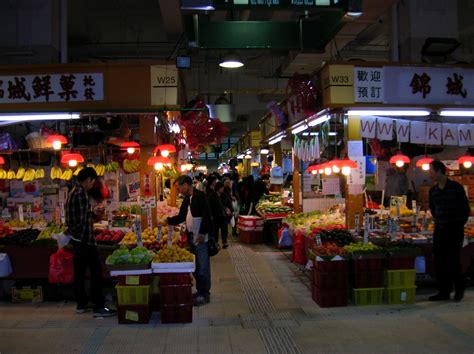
(400, 296)
(367, 296)
(400, 278)
(133, 295)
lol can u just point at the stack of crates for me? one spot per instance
(400, 283)
(133, 296)
(176, 298)
(250, 229)
(367, 280)
(330, 283)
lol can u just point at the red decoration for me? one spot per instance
(2, 160)
(301, 86)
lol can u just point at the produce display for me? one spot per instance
(5, 231)
(164, 211)
(173, 254)
(337, 235)
(266, 207)
(360, 248)
(47, 233)
(112, 166)
(307, 222)
(328, 251)
(109, 236)
(22, 237)
(138, 255)
(130, 239)
(131, 166)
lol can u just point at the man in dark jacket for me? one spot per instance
(195, 212)
(450, 209)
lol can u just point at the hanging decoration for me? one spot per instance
(302, 96)
(306, 150)
(200, 129)
(280, 116)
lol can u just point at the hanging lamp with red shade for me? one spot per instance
(72, 159)
(399, 160)
(347, 165)
(57, 141)
(165, 149)
(158, 162)
(424, 163)
(467, 161)
(2, 160)
(130, 146)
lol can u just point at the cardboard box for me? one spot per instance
(27, 294)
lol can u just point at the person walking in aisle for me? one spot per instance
(196, 213)
(225, 196)
(79, 220)
(450, 209)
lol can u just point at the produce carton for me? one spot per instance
(133, 314)
(27, 294)
(176, 313)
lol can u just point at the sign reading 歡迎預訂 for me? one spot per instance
(368, 84)
(51, 88)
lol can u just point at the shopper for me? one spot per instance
(235, 200)
(79, 220)
(450, 209)
(196, 213)
(225, 197)
(261, 188)
(247, 191)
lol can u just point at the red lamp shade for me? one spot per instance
(72, 159)
(346, 165)
(424, 163)
(165, 149)
(335, 165)
(467, 161)
(399, 160)
(130, 146)
(158, 162)
(56, 141)
(2, 160)
(313, 169)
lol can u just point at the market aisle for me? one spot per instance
(261, 303)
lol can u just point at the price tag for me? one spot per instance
(170, 236)
(138, 232)
(148, 218)
(28, 212)
(158, 234)
(366, 228)
(318, 240)
(131, 316)
(20, 213)
(413, 204)
(57, 216)
(424, 223)
(63, 212)
(357, 223)
(415, 219)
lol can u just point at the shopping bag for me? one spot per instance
(5, 265)
(232, 221)
(299, 256)
(212, 247)
(61, 267)
(284, 237)
(62, 239)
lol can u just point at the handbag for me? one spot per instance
(212, 247)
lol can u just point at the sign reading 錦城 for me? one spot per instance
(42, 88)
(425, 85)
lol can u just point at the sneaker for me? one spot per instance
(459, 295)
(81, 310)
(201, 300)
(439, 297)
(104, 312)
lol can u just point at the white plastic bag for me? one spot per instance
(232, 221)
(62, 239)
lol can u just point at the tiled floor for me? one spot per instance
(261, 303)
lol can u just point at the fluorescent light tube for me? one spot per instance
(299, 129)
(319, 120)
(382, 112)
(456, 113)
(264, 151)
(38, 116)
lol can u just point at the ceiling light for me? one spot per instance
(231, 61)
(38, 116)
(299, 129)
(399, 160)
(467, 161)
(240, 156)
(264, 151)
(319, 120)
(424, 163)
(276, 139)
(248, 157)
(72, 159)
(456, 113)
(165, 149)
(388, 112)
(130, 146)
(56, 141)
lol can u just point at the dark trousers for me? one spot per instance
(447, 245)
(222, 226)
(87, 257)
(203, 268)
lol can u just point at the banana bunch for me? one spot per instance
(56, 173)
(66, 175)
(131, 166)
(3, 174)
(11, 174)
(112, 166)
(100, 170)
(77, 170)
(29, 175)
(90, 165)
(39, 174)
(20, 173)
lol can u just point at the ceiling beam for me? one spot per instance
(171, 17)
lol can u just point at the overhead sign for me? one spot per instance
(425, 85)
(262, 4)
(164, 85)
(368, 84)
(52, 88)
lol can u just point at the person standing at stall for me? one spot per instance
(196, 213)
(450, 209)
(79, 220)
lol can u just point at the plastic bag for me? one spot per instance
(61, 267)
(298, 255)
(5, 265)
(284, 237)
(62, 239)
(232, 221)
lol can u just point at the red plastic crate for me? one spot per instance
(397, 263)
(133, 314)
(177, 314)
(139, 280)
(176, 294)
(330, 298)
(251, 237)
(368, 279)
(176, 279)
(331, 266)
(362, 265)
(332, 281)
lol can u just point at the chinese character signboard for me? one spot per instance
(51, 88)
(368, 84)
(424, 85)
